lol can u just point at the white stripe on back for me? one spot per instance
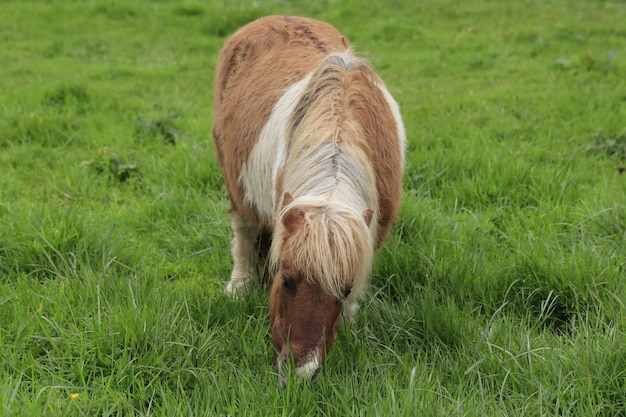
(258, 175)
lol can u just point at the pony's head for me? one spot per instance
(322, 254)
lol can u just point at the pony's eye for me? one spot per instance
(287, 286)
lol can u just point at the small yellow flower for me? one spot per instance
(74, 395)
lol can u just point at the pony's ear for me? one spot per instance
(293, 219)
(287, 199)
(367, 215)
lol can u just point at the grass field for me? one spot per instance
(501, 291)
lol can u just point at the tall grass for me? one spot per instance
(500, 291)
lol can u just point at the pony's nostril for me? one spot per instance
(316, 375)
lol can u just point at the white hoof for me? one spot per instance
(234, 290)
(350, 310)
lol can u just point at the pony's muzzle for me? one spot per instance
(310, 371)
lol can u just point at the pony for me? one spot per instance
(311, 145)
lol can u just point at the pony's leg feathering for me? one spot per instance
(350, 310)
(244, 252)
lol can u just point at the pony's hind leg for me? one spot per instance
(263, 247)
(244, 252)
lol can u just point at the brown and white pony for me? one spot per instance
(312, 148)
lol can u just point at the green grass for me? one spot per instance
(501, 291)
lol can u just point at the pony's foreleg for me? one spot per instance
(350, 309)
(244, 252)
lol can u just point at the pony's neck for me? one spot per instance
(332, 173)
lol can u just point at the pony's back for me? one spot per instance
(256, 65)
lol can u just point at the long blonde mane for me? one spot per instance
(333, 247)
(328, 172)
